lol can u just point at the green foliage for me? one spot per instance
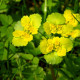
(35, 60)
(26, 56)
(6, 19)
(28, 63)
(3, 6)
(35, 74)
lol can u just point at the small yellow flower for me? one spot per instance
(59, 28)
(18, 33)
(69, 16)
(46, 27)
(62, 45)
(25, 21)
(73, 22)
(43, 45)
(53, 28)
(21, 38)
(19, 41)
(49, 45)
(56, 42)
(61, 51)
(75, 33)
(33, 30)
(66, 30)
(58, 45)
(27, 36)
(46, 46)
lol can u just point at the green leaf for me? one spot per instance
(35, 74)
(56, 18)
(9, 33)
(30, 48)
(1, 45)
(30, 45)
(12, 48)
(3, 7)
(53, 58)
(26, 56)
(35, 60)
(6, 19)
(1, 53)
(4, 54)
(35, 51)
(3, 31)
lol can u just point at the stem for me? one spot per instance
(75, 18)
(8, 60)
(45, 9)
(76, 6)
(19, 68)
(42, 34)
(52, 72)
(35, 5)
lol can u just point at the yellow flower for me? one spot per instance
(33, 30)
(53, 28)
(59, 28)
(70, 18)
(62, 45)
(21, 38)
(56, 42)
(58, 47)
(46, 27)
(73, 22)
(75, 33)
(43, 45)
(19, 41)
(18, 33)
(46, 46)
(67, 14)
(49, 28)
(25, 22)
(66, 30)
(61, 51)
(49, 45)
(27, 36)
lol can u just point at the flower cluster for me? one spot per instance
(61, 29)
(25, 29)
(56, 44)
(64, 25)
